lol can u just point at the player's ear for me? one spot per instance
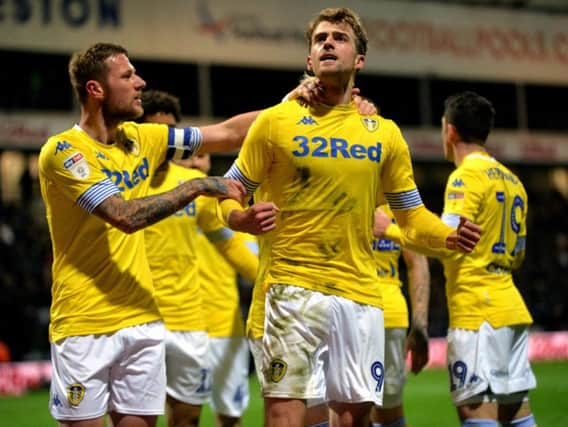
(309, 65)
(359, 62)
(94, 89)
(453, 134)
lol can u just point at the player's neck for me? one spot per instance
(98, 127)
(462, 150)
(337, 91)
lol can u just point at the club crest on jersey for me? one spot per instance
(75, 394)
(370, 124)
(77, 165)
(277, 370)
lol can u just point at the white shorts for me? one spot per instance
(395, 367)
(187, 366)
(307, 333)
(229, 361)
(488, 361)
(95, 374)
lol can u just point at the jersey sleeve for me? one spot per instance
(397, 176)
(76, 173)
(207, 218)
(255, 157)
(463, 196)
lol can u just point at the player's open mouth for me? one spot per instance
(328, 57)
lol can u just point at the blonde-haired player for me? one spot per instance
(106, 331)
(318, 172)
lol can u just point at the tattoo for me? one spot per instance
(212, 186)
(136, 214)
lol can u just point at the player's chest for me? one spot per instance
(127, 170)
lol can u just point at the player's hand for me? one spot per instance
(365, 106)
(258, 219)
(417, 345)
(222, 188)
(381, 223)
(465, 237)
(308, 92)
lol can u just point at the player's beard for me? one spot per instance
(121, 113)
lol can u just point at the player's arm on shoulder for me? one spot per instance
(238, 254)
(419, 292)
(310, 91)
(132, 215)
(227, 135)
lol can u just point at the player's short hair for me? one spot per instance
(337, 15)
(90, 65)
(158, 101)
(471, 114)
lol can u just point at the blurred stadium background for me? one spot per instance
(223, 57)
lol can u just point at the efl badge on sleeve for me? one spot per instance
(75, 394)
(77, 165)
(370, 124)
(277, 370)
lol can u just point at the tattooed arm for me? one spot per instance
(419, 291)
(133, 215)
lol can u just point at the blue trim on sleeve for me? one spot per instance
(235, 173)
(97, 194)
(405, 200)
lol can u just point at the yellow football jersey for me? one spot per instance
(324, 168)
(172, 246)
(101, 280)
(218, 279)
(387, 255)
(479, 286)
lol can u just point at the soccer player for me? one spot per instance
(317, 173)
(490, 373)
(228, 348)
(397, 343)
(106, 331)
(179, 249)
